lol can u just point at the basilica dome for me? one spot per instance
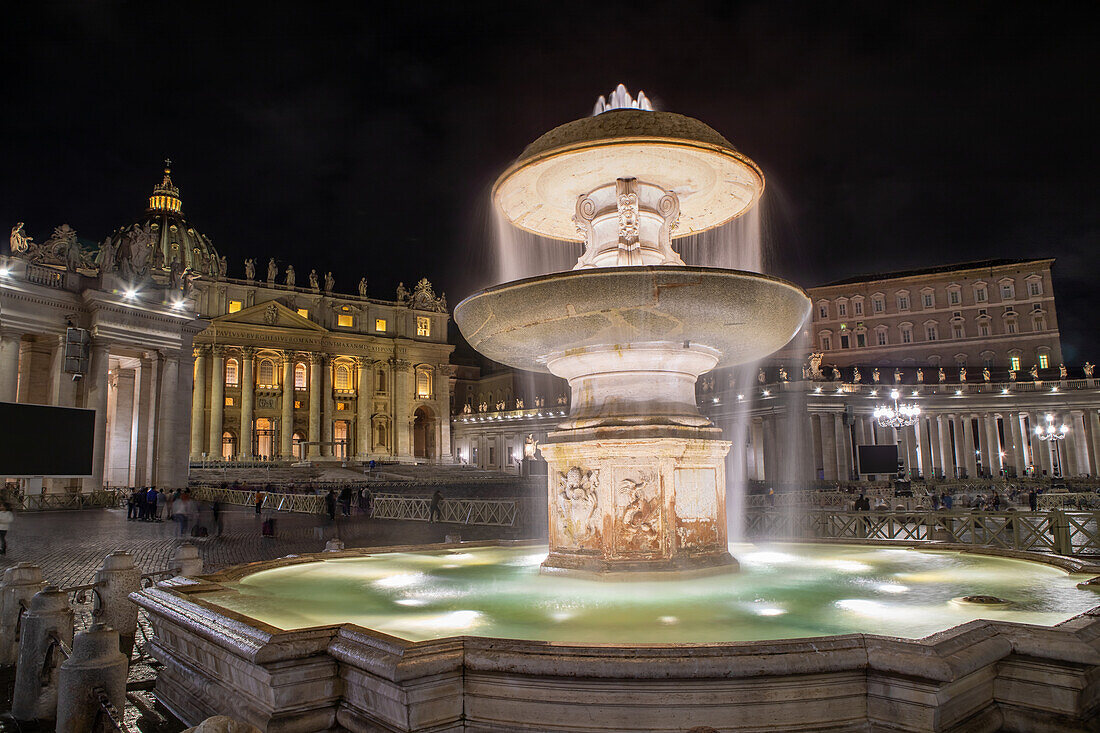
(173, 237)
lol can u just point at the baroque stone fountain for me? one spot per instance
(637, 475)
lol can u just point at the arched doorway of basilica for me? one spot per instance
(341, 430)
(423, 433)
(265, 437)
(229, 445)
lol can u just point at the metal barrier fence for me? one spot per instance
(487, 512)
(103, 499)
(1056, 531)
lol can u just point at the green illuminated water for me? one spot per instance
(782, 591)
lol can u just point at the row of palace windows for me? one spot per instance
(265, 436)
(342, 380)
(859, 339)
(928, 299)
(346, 320)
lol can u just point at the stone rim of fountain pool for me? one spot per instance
(311, 678)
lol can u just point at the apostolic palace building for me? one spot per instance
(185, 364)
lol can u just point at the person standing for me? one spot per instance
(345, 501)
(434, 510)
(259, 501)
(151, 498)
(1033, 499)
(7, 516)
(330, 504)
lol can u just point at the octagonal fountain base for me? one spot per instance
(637, 507)
(317, 674)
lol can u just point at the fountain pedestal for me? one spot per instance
(637, 505)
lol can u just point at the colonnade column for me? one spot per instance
(327, 406)
(771, 462)
(9, 365)
(198, 404)
(843, 447)
(248, 395)
(1040, 450)
(362, 407)
(928, 440)
(148, 389)
(984, 444)
(402, 399)
(817, 447)
(1014, 432)
(442, 392)
(165, 400)
(946, 449)
(217, 401)
(758, 448)
(1094, 429)
(316, 362)
(969, 455)
(1069, 450)
(1080, 442)
(960, 445)
(185, 377)
(828, 446)
(62, 388)
(97, 400)
(286, 428)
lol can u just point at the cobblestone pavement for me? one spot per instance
(70, 546)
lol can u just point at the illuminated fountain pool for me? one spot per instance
(784, 591)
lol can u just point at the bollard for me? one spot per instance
(20, 583)
(48, 620)
(118, 577)
(1059, 528)
(95, 663)
(334, 546)
(186, 558)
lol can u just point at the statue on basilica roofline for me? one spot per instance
(920, 376)
(402, 293)
(962, 374)
(313, 281)
(836, 374)
(760, 377)
(107, 257)
(1088, 370)
(1012, 375)
(330, 282)
(783, 374)
(189, 277)
(985, 374)
(250, 269)
(175, 273)
(856, 376)
(223, 267)
(876, 377)
(133, 255)
(942, 375)
(290, 276)
(1034, 372)
(897, 376)
(1062, 371)
(362, 287)
(20, 242)
(272, 271)
(65, 248)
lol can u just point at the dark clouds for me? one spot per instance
(360, 140)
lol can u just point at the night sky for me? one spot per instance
(364, 140)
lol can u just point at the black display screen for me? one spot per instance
(878, 459)
(40, 440)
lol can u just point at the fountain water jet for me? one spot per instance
(637, 474)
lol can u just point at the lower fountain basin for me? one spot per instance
(783, 591)
(338, 640)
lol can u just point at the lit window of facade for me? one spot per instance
(300, 376)
(1044, 361)
(1014, 363)
(303, 312)
(265, 374)
(380, 325)
(423, 326)
(342, 380)
(1008, 291)
(234, 306)
(232, 373)
(343, 320)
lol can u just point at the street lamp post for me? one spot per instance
(897, 416)
(1055, 434)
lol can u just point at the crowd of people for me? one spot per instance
(192, 517)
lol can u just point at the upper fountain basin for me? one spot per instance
(742, 315)
(714, 182)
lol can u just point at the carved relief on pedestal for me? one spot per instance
(638, 514)
(575, 509)
(696, 506)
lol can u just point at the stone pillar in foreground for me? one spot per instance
(49, 619)
(362, 407)
(20, 582)
(97, 400)
(9, 364)
(96, 664)
(118, 578)
(286, 428)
